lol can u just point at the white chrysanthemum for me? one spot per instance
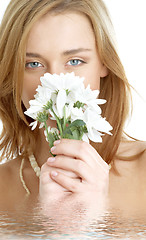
(77, 113)
(42, 97)
(70, 100)
(96, 125)
(66, 81)
(89, 98)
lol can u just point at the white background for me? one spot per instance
(129, 20)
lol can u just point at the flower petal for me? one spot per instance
(33, 125)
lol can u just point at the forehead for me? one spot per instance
(62, 30)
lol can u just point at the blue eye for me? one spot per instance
(33, 65)
(75, 62)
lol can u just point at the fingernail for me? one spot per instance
(53, 149)
(56, 142)
(50, 160)
(54, 174)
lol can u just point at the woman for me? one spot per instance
(64, 36)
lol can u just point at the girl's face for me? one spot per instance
(59, 44)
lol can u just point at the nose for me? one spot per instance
(56, 68)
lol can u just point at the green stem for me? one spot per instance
(58, 122)
(64, 118)
(46, 127)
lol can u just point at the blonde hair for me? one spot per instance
(18, 20)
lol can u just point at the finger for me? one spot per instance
(46, 182)
(72, 185)
(46, 169)
(80, 168)
(80, 150)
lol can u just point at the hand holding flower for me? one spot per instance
(76, 166)
(82, 159)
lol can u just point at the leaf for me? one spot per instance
(67, 133)
(76, 134)
(77, 123)
(68, 136)
(75, 130)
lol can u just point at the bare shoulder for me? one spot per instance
(129, 148)
(132, 154)
(10, 185)
(9, 178)
(8, 172)
(127, 176)
(142, 158)
(10, 165)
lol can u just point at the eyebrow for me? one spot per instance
(29, 54)
(74, 51)
(65, 53)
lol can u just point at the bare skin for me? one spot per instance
(129, 188)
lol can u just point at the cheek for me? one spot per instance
(93, 72)
(95, 82)
(30, 84)
(93, 78)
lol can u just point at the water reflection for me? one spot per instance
(71, 220)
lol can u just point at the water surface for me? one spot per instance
(71, 220)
